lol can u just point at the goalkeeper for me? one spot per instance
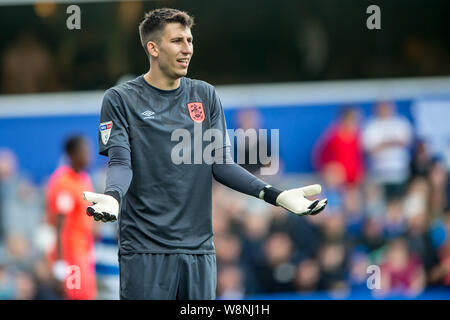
(166, 248)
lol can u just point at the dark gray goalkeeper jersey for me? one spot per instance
(167, 208)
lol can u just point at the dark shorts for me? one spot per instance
(155, 276)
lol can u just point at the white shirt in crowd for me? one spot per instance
(390, 164)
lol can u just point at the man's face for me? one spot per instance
(385, 110)
(82, 156)
(175, 50)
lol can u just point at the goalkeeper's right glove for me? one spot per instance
(104, 207)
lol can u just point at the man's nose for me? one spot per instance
(187, 47)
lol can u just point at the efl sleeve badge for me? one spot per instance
(105, 130)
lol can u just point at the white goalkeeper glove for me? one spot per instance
(104, 207)
(294, 200)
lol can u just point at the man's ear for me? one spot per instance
(152, 49)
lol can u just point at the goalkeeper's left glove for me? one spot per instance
(104, 206)
(294, 200)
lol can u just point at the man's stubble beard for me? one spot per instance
(170, 72)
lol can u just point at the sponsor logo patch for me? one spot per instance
(105, 131)
(196, 111)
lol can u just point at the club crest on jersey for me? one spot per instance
(105, 131)
(196, 111)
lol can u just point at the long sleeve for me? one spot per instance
(119, 173)
(237, 178)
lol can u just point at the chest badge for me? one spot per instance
(196, 111)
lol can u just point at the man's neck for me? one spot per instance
(155, 78)
(75, 168)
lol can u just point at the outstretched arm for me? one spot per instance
(237, 178)
(234, 176)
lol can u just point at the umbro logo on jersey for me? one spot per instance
(148, 114)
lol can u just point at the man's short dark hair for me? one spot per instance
(73, 144)
(155, 21)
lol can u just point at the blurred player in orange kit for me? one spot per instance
(66, 212)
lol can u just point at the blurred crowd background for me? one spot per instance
(386, 183)
(388, 206)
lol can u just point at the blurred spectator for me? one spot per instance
(416, 199)
(230, 284)
(106, 262)
(353, 212)
(25, 286)
(18, 250)
(420, 241)
(277, 271)
(228, 248)
(359, 261)
(8, 167)
(7, 288)
(421, 160)
(439, 188)
(387, 138)
(402, 271)
(374, 201)
(394, 221)
(440, 274)
(28, 67)
(307, 276)
(23, 212)
(106, 249)
(46, 286)
(221, 221)
(250, 119)
(20, 209)
(334, 229)
(333, 179)
(341, 144)
(332, 259)
(371, 237)
(304, 235)
(254, 232)
(66, 212)
(418, 221)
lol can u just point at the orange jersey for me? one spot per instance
(64, 196)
